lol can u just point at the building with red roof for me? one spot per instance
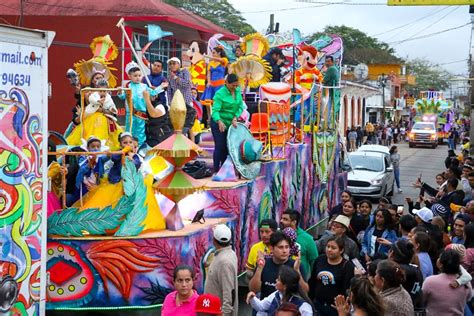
(76, 23)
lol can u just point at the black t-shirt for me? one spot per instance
(328, 281)
(357, 225)
(270, 274)
(377, 233)
(413, 283)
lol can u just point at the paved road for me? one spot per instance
(427, 161)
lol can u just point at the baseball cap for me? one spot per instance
(268, 223)
(175, 59)
(342, 219)
(424, 213)
(208, 303)
(222, 233)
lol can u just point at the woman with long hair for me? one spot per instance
(395, 160)
(438, 295)
(363, 297)
(216, 71)
(365, 211)
(183, 299)
(357, 223)
(288, 291)
(388, 279)
(330, 277)
(346, 195)
(379, 236)
(403, 252)
(423, 246)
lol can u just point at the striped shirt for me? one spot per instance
(182, 83)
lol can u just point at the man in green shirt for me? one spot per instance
(331, 79)
(227, 107)
(308, 251)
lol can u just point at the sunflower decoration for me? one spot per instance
(252, 69)
(104, 52)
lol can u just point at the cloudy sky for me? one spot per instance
(449, 49)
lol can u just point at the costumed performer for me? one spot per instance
(197, 71)
(99, 120)
(226, 108)
(180, 79)
(88, 73)
(216, 71)
(306, 76)
(139, 109)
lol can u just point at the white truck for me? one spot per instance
(423, 133)
(23, 176)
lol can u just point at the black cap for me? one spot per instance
(269, 223)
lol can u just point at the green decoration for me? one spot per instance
(92, 221)
(135, 189)
(34, 226)
(428, 107)
(265, 206)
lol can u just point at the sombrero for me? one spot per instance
(104, 52)
(252, 68)
(245, 151)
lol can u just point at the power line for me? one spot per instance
(409, 23)
(453, 62)
(430, 25)
(429, 35)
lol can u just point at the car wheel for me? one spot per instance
(389, 193)
(434, 146)
(411, 145)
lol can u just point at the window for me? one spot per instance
(159, 50)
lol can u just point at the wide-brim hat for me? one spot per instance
(254, 69)
(86, 69)
(244, 150)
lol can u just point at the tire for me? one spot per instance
(391, 191)
(434, 146)
(411, 145)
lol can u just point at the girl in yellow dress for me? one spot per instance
(98, 120)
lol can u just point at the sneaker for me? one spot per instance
(400, 191)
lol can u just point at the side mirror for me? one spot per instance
(389, 169)
(346, 166)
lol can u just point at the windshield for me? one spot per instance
(369, 163)
(425, 126)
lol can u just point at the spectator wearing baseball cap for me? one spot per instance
(423, 218)
(221, 279)
(208, 304)
(266, 228)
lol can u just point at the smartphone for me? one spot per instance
(358, 265)
(400, 209)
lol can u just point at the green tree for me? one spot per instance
(360, 47)
(221, 13)
(428, 76)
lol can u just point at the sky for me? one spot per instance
(450, 49)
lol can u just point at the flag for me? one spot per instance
(155, 33)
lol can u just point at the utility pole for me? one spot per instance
(271, 27)
(383, 84)
(471, 82)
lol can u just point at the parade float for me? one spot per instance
(433, 107)
(122, 255)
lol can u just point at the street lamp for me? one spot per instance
(382, 84)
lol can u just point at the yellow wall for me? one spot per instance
(375, 70)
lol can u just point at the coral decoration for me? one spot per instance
(167, 254)
(117, 261)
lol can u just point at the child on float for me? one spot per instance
(287, 290)
(139, 109)
(99, 119)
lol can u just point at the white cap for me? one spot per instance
(222, 233)
(131, 65)
(424, 213)
(176, 59)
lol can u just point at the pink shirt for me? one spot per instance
(441, 299)
(185, 309)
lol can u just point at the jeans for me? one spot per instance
(220, 146)
(396, 173)
(451, 143)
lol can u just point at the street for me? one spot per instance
(416, 161)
